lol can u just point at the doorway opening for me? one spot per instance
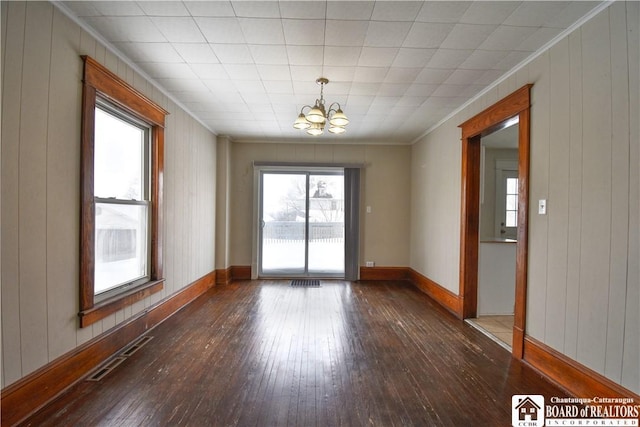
(302, 224)
(498, 234)
(514, 107)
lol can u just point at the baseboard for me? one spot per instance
(24, 397)
(574, 377)
(223, 276)
(383, 273)
(240, 272)
(444, 297)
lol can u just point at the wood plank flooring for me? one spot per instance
(263, 353)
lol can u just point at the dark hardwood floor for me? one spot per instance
(266, 354)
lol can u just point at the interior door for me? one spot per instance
(301, 230)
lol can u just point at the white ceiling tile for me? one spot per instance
(402, 75)
(393, 89)
(256, 9)
(303, 32)
(427, 35)
(337, 89)
(262, 31)
(449, 90)
(488, 12)
(274, 72)
(511, 60)
(279, 98)
(232, 53)
(257, 108)
(210, 8)
(278, 86)
(448, 58)
(242, 71)
(163, 8)
(419, 90)
(467, 36)
(210, 71)
(412, 57)
(220, 86)
(507, 38)
(183, 85)
(433, 76)
(489, 77)
(269, 54)
(303, 9)
(535, 14)
(574, 11)
(341, 56)
(339, 74)
(377, 56)
(250, 87)
(307, 88)
(346, 33)
(221, 30)
(305, 55)
(483, 59)
(371, 74)
(396, 10)
(387, 34)
(305, 73)
(464, 77)
(171, 70)
(118, 8)
(126, 28)
(350, 10)
(442, 11)
(196, 52)
(179, 30)
(360, 100)
(358, 88)
(149, 52)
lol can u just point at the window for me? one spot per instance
(511, 210)
(122, 164)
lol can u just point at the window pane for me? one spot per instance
(512, 202)
(512, 185)
(121, 245)
(118, 165)
(512, 219)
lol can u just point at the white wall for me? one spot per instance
(41, 80)
(584, 279)
(385, 186)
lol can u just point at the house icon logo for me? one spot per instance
(527, 410)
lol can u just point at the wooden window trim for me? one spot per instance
(97, 80)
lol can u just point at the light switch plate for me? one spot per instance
(542, 207)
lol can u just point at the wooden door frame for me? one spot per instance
(491, 119)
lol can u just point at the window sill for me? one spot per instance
(109, 306)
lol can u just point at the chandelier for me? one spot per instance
(317, 117)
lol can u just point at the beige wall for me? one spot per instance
(385, 186)
(583, 285)
(41, 80)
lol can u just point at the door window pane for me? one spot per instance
(326, 224)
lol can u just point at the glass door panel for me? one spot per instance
(302, 224)
(326, 224)
(283, 213)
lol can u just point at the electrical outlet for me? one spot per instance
(370, 264)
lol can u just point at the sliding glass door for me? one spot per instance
(301, 229)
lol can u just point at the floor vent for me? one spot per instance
(104, 370)
(305, 283)
(136, 346)
(101, 372)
